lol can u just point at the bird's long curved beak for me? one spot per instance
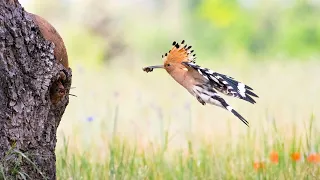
(150, 68)
(154, 67)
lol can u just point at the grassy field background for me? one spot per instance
(127, 124)
(134, 125)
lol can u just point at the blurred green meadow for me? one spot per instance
(127, 124)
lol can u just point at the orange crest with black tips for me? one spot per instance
(179, 53)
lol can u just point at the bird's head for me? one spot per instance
(173, 59)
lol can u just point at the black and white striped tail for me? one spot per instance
(206, 94)
(229, 108)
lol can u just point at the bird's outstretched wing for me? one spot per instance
(206, 94)
(224, 84)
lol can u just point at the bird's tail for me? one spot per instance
(212, 97)
(229, 108)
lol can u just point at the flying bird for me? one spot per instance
(202, 83)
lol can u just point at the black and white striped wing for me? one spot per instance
(225, 84)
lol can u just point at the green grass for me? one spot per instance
(12, 161)
(122, 126)
(222, 160)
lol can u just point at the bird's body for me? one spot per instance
(201, 82)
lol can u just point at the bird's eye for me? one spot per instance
(168, 65)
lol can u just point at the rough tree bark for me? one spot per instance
(34, 85)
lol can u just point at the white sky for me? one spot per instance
(23, 2)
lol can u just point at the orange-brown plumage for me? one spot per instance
(184, 75)
(177, 54)
(201, 82)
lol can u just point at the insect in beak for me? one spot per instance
(150, 68)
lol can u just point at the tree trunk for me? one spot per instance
(34, 85)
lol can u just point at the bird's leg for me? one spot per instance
(201, 100)
(150, 68)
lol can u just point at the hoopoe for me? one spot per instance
(202, 83)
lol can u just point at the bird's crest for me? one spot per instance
(180, 53)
